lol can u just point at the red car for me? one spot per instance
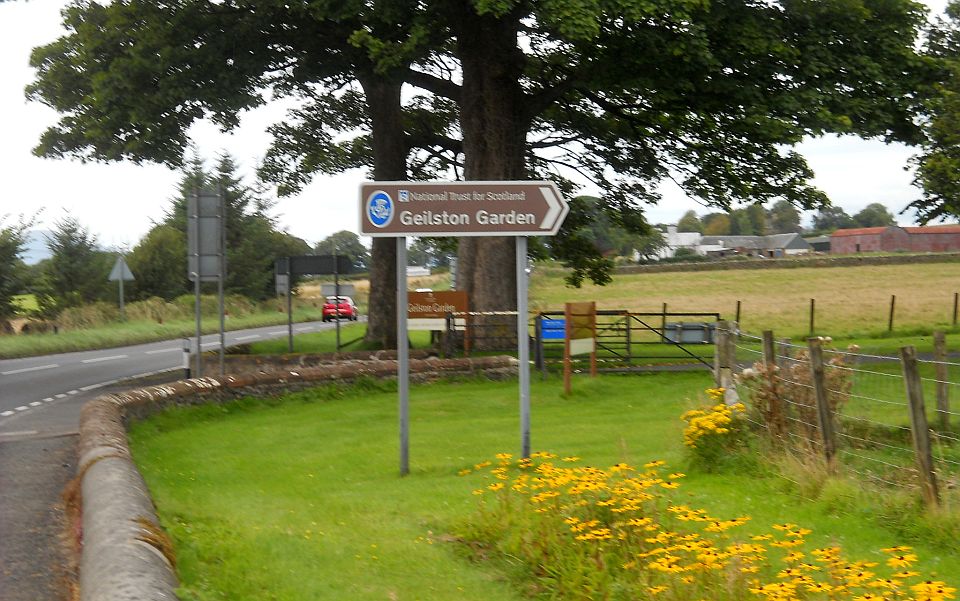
(340, 307)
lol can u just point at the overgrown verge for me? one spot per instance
(624, 532)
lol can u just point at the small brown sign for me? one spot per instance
(435, 304)
(508, 208)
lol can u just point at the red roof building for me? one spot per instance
(869, 239)
(936, 238)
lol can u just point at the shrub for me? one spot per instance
(618, 533)
(714, 431)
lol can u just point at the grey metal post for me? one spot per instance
(123, 314)
(186, 358)
(198, 371)
(403, 357)
(222, 318)
(336, 292)
(223, 271)
(523, 346)
(289, 308)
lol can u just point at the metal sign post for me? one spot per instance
(403, 357)
(206, 254)
(470, 208)
(119, 273)
(523, 346)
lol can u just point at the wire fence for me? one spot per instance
(856, 410)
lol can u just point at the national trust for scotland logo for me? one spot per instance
(380, 209)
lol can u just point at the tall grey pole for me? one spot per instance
(222, 319)
(403, 357)
(223, 270)
(289, 307)
(336, 292)
(123, 314)
(196, 308)
(523, 346)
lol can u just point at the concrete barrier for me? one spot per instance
(125, 554)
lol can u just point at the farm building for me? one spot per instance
(820, 244)
(869, 239)
(937, 238)
(775, 245)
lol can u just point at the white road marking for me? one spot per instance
(99, 359)
(6, 414)
(60, 396)
(20, 408)
(206, 344)
(250, 337)
(163, 350)
(73, 391)
(26, 369)
(19, 433)
(35, 404)
(48, 399)
(277, 333)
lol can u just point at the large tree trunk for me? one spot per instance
(494, 127)
(389, 164)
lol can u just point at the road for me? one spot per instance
(40, 401)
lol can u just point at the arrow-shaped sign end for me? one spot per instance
(556, 208)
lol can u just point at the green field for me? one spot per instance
(850, 301)
(300, 498)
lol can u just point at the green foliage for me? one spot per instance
(159, 264)
(874, 215)
(831, 218)
(784, 218)
(76, 273)
(689, 222)
(12, 269)
(346, 243)
(159, 261)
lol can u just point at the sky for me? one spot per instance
(119, 202)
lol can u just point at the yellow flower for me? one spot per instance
(904, 560)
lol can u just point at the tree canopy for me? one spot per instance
(625, 93)
(12, 241)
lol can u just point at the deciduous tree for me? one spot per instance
(12, 270)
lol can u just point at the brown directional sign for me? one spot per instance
(507, 208)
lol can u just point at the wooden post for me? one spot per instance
(813, 305)
(776, 425)
(943, 387)
(918, 426)
(956, 300)
(663, 322)
(893, 304)
(824, 414)
(725, 360)
(737, 318)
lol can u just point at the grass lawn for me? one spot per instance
(300, 498)
(850, 301)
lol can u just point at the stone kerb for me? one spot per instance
(125, 553)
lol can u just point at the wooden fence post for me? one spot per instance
(813, 306)
(726, 352)
(918, 426)
(943, 386)
(824, 414)
(893, 304)
(776, 403)
(719, 358)
(737, 318)
(956, 301)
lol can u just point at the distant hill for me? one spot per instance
(35, 250)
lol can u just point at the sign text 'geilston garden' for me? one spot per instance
(528, 208)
